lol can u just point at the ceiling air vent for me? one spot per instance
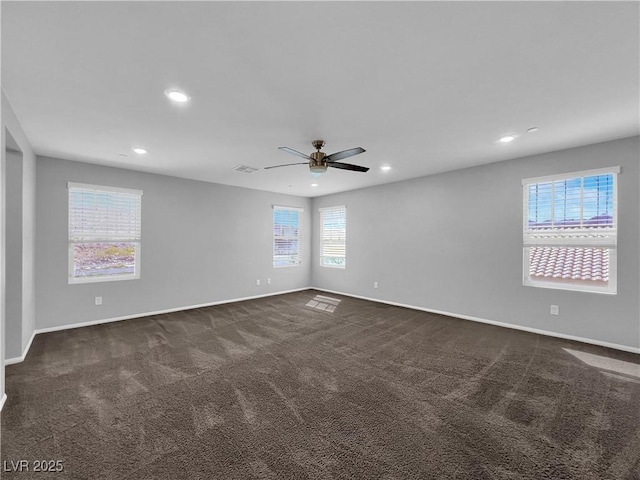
(245, 169)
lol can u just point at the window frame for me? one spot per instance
(609, 242)
(73, 280)
(322, 256)
(298, 237)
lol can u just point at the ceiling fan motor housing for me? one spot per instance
(317, 157)
(317, 164)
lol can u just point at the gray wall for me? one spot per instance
(13, 137)
(453, 242)
(201, 243)
(13, 265)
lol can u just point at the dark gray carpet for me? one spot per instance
(278, 389)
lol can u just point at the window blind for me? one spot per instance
(286, 236)
(104, 214)
(333, 236)
(577, 209)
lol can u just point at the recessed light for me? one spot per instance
(140, 151)
(177, 95)
(385, 167)
(507, 139)
(532, 129)
(314, 184)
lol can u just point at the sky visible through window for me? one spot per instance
(574, 202)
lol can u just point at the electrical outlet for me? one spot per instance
(375, 284)
(258, 282)
(555, 310)
(98, 300)
(268, 281)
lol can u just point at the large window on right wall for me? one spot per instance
(570, 231)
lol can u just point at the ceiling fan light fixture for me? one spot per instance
(317, 170)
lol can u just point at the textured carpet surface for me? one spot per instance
(300, 387)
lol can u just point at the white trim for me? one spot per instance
(89, 236)
(103, 188)
(562, 176)
(11, 361)
(578, 238)
(2, 401)
(160, 312)
(615, 346)
(282, 207)
(547, 333)
(332, 207)
(296, 256)
(14, 360)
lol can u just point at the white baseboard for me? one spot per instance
(625, 348)
(616, 346)
(11, 361)
(57, 328)
(2, 400)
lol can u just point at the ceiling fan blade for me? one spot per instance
(295, 152)
(348, 166)
(286, 165)
(344, 154)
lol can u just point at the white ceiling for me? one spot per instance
(423, 87)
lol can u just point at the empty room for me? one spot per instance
(320, 240)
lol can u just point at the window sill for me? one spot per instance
(114, 278)
(569, 288)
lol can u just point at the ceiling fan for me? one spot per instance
(319, 161)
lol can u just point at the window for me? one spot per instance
(104, 233)
(286, 236)
(333, 236)
(570, 231)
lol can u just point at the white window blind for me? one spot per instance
(104, 232)
(333, 236)
(570, 231)
(286, 236)
(99, 213)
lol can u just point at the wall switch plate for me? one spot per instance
(555, 310)
(375, 284)
(98, 300)
(258, 282)
(268, 281)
